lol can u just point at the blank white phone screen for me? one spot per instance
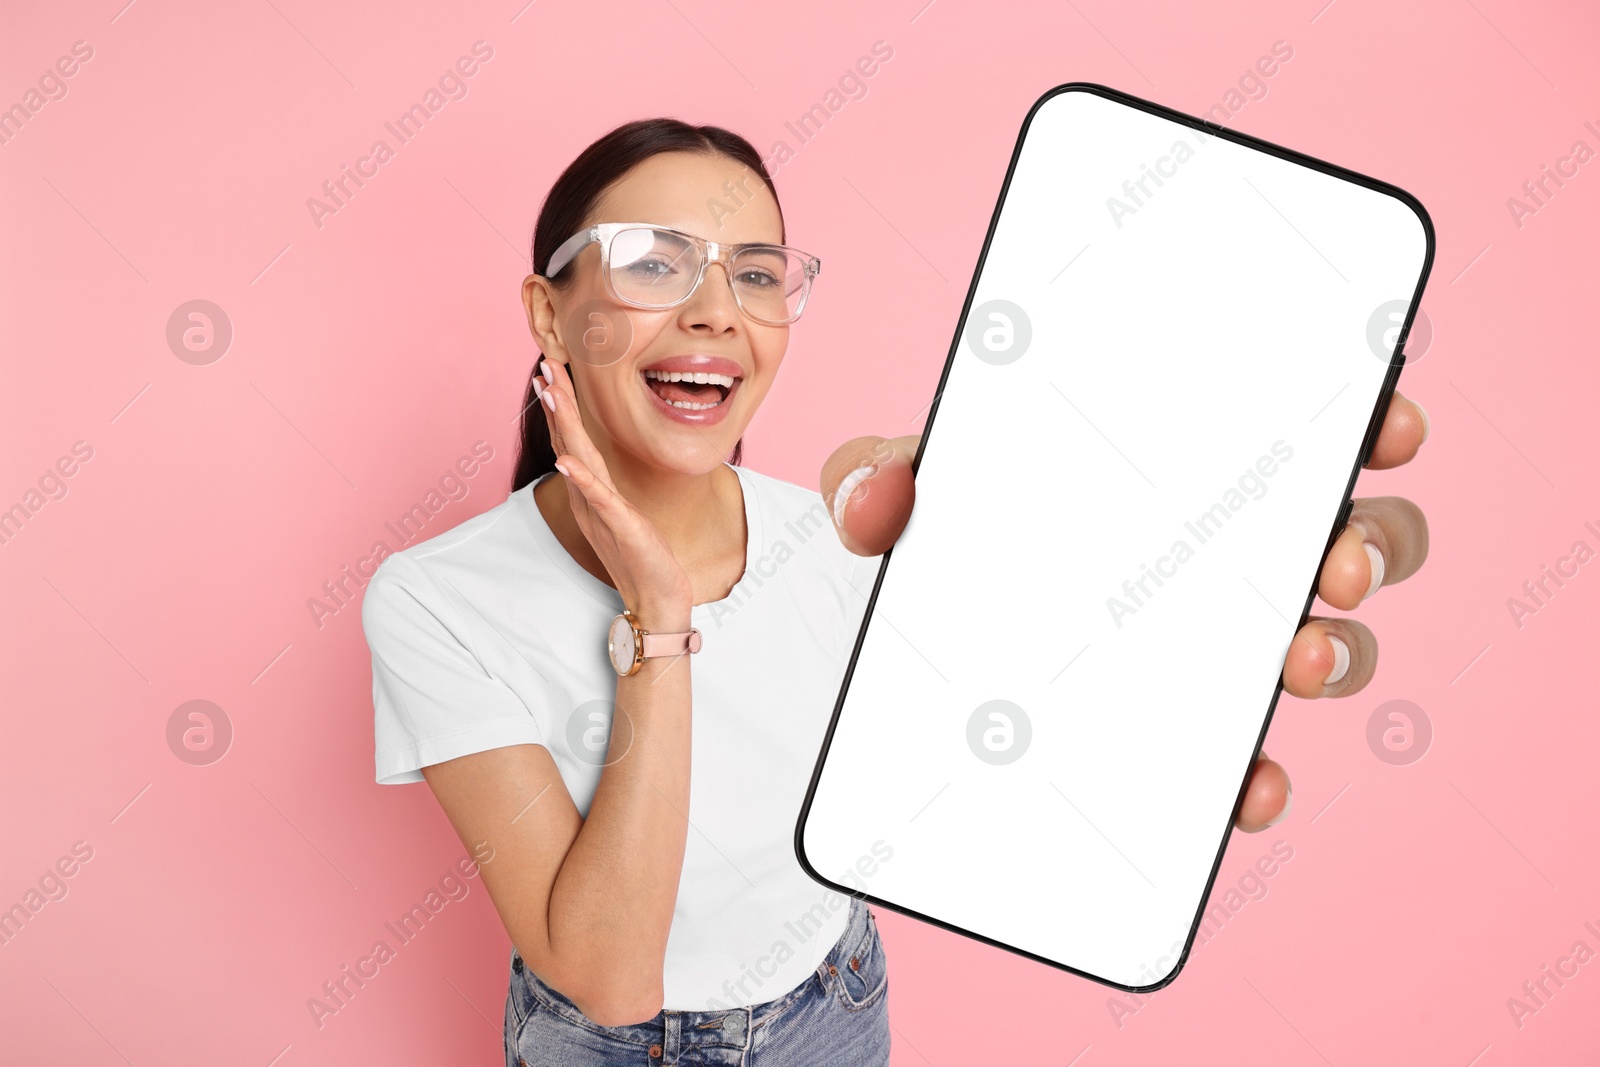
(1145, 434)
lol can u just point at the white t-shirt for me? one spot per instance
(491, 634)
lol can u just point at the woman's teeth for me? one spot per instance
(688, 384)
(700, 378)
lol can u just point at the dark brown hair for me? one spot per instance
(566, 208)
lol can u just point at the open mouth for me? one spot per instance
(690, 392)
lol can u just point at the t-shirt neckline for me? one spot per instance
(607, 595)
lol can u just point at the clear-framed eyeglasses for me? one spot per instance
(657, 267)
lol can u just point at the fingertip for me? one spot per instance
(1267, 797)
(1312, 657)
(1405, 427)
(872, 506)
(848, 486)
(1346, 571)
(1288, 803)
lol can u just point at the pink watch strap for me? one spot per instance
(654, 645)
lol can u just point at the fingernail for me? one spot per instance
(1288, 803)
(1375, 558)
(548, 397)
(549, 375)
(841, 496)
(538, 387)
(1424, 413)
(561, 467)
(1341, 661)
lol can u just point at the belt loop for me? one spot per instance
(671, 1039)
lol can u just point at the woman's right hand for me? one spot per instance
(642, 565)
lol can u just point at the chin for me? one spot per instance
(685, 457)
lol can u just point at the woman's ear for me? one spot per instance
(541, 310)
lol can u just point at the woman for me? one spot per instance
(651, 922)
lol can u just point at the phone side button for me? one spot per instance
(1344, 516)
(1370, 445)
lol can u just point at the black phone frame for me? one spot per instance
(1363, 456)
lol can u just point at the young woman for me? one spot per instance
(657, 913)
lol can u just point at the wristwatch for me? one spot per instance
(629, 646)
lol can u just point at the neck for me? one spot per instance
(692, 511)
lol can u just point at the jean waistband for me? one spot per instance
(727, 1027)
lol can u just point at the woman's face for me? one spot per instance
(607, 346)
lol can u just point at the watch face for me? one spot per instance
(621, 644)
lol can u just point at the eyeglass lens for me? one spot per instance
(657, 268)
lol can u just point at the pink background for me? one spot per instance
(370, 353)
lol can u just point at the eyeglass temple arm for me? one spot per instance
(569, 248)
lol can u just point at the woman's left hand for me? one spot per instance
(1385, 541)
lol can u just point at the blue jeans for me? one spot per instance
(838, 1016)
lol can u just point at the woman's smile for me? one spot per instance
(694, 389)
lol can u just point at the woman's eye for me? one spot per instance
(758, 279)
(650, 268)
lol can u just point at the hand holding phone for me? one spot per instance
(1176, 355)
(875, 512)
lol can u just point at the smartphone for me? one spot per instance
(1173, 361)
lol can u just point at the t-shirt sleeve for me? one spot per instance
(432, 698)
